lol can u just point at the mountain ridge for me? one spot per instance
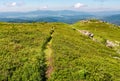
(66, 16)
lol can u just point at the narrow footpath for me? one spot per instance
(48, 55)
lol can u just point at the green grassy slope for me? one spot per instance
(77, 57)
(21, 55)
(26, 48)
(100, 29)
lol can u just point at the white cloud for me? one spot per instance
(14, 4)
(44, 7)
(78, 5)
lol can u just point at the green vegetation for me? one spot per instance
(100, 29)
(21, 55)
(58, 52)
(77, 57)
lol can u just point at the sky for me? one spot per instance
(78, 5)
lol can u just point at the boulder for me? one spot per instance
(87, 33)
(110, 44)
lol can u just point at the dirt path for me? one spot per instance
(48, 56)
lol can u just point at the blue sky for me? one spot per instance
(80, 5)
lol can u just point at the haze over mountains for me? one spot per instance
(66, 16)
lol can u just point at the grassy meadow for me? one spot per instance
(31, 51)
(21, 55)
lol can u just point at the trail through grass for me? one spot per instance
(48, 56)
(58, 52)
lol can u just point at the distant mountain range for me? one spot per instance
(66, 16)
(115, 19)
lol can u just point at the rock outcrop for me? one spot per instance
(111, 44)
(87, 33)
